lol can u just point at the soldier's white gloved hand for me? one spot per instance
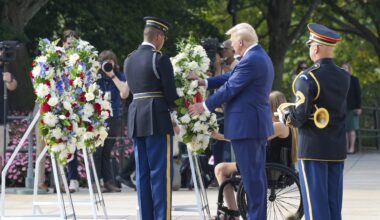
(281, 115)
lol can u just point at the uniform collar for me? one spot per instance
(325, 61)
(250, 47)
(149, 44)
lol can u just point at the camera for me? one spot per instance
(107, 66)
(8, 51)
(212, 47)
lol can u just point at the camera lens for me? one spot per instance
(107, 67)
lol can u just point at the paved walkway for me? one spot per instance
(361, 196)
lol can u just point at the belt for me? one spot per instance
(146, 95)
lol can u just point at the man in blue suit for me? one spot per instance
(248, 121)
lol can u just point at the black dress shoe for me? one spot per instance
(127, 182)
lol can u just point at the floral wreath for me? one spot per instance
(195, 130)
(73, 108)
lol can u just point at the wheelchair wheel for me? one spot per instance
(283, 194)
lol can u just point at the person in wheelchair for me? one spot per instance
(281, 149)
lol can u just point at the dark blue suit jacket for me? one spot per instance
(245, 91)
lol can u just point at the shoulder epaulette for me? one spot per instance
(304, 75)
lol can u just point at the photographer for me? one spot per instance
(11, 84)
(112, 82)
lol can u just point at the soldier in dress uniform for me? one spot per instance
(150, 77)
(322, 149)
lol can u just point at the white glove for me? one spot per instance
(281, 115)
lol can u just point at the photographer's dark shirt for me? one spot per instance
(1, 97)
(107, 85)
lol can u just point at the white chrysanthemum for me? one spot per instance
(177, 70)
(205, 65)
(88, 135)
(42, 90)
(56, 147)
(193, 66)
(51, 73)
(80, 131)
(72, 146)
(180, 92)
(50, 119)
(88, 109)
(41, 59)
(53, 101)
(185, 119)
(181, 56)
(105, 115)
(213, 119)
(89, 96)
(102, 133)
(73, 58)
(107, 96)
(197, 127)
(56, 133)
(78, 82)
(92, 88)
(67, 105)
(193, 84)
(202, 117)
(105, 105)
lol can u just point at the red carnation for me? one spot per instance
(44, 108)
(197, 98)
(90, 128)
(81, 75)
(98, 108)
(48, 96)
(69, 156)
(187, 103)
(47, 82)
(67, 114)
(71, 82)
(70, 127)
(31, 75)
(82, 97)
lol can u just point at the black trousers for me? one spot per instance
(102, 155)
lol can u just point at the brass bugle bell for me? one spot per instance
(321, 116)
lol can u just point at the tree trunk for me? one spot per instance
(278, 19)
(15, 15)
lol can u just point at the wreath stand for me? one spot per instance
(203, 208)
(61, 203)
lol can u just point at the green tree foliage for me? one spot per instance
(118, 25)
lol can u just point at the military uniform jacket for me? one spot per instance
(324, 85)
(150, 115)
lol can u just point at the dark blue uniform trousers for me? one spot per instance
(154, 170)
(322, 189)
(250, 157)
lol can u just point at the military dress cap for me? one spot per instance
(158, 23)
(323, 35)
